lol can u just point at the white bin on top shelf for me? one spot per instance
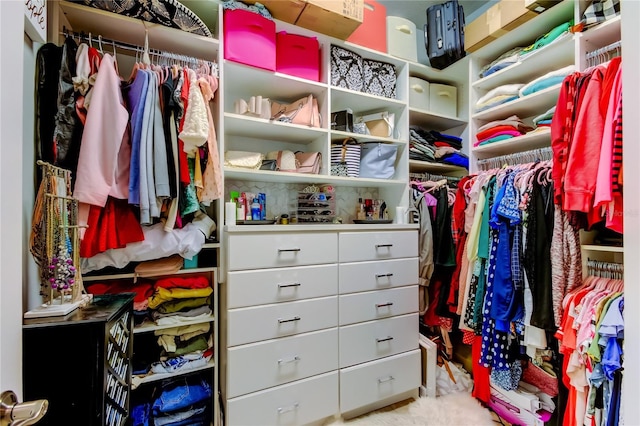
(443, 99)
(401, 38)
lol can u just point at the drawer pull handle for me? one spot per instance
(288, 285)
(280, 320)
(293, 407)
(382, 305)
(383, 245)
(383, 275)
(291, 249)
(384, 339)
(289, 360)
(386, 379)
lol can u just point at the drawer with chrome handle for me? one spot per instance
(371, 305)
(275, 250)
(377, 275)
(363, 246)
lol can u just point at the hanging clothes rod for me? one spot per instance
(540, 154)
(605, 269)
(426, 176)
(617, 45)
(135, 48)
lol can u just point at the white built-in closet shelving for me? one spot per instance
(567, 50)
(80, 18)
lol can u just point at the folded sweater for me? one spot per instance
(506, 89)
(549, 79)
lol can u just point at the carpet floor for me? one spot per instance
(457, 409)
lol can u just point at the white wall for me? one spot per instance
(630, 12)
(12, 247)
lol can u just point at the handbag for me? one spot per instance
(309, 162)
(269, 165)
(345, 158)
(243, 159)
(378, 160)
(346, 69)
(304, 111)
(285, 160)
(380, 124)
(379, 78)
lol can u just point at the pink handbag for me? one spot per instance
(304, 111)
(309, 162)
(541, 379)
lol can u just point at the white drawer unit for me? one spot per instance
(262, 286)
(277, 250)
(372, 305)
(247, 325)
(298, 403)
(376, 339)
(266, 364)
(374, 381)
(361, 246)
(380, 275)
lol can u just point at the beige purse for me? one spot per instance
(243, 159)
(303, 111)
(286, 161)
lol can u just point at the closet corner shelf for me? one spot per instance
(137, 380)
(261, 128)
(533, 140)
(338, 135)
(286, 177)
(417, 166)
(433, 121)
(603, 34)
(90, 278)
(148, 327)
(361, 102)
(123, 28)
(249, 81)
(554, 56)
(533, 104)
(597, 247)
(453, 74)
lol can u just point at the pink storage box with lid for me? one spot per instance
(372, 33)
(298, 56)
(249, 39)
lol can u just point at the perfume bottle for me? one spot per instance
(360, 210)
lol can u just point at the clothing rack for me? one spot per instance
(172, 56)
(603, 54)
(426, 176)
(540, 154)
(602, 269)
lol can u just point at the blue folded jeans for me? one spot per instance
(140, 414)
(180, 394)
(192, 415)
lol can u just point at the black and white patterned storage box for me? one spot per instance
(346, 69)
(379, 78)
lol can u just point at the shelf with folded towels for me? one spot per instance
(532, 140)
(525, 106)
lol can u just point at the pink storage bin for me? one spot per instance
(298, 56)
(372, 33)
(249, 39)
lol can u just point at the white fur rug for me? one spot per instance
(457, 409)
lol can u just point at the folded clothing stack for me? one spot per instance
(433, 146)
(544, 119)
(517, 53)
(550, 79)
(499, 130)
(498, 96)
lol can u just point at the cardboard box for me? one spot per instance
(540, 6)
(283, 10)
(496, 22)
(336, 18)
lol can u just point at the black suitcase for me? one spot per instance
(444, 34)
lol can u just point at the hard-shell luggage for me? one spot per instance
(444, 34)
